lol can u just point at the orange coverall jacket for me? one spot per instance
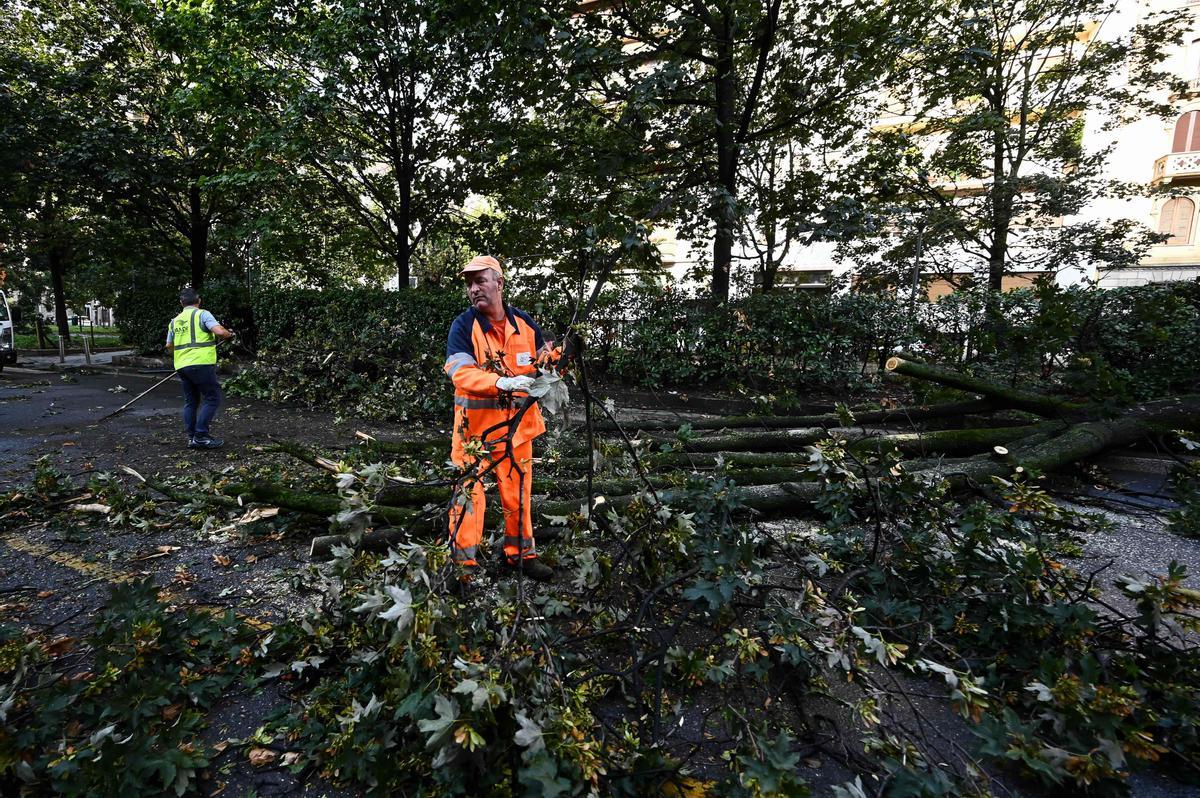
(477, 356)
(475, 359)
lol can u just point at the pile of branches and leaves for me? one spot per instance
(902, 641)
(119, 711)
(683, 649)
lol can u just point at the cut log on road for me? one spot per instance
(1081, 441)
(955, 441)
(703, 460)
(1010, 397)
(898, 415)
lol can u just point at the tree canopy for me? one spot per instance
(360, 140)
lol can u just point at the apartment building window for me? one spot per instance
(1187, 133)
(1175, 220)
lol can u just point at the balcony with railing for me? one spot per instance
(1177, 167)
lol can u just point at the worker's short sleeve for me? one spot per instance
(459, 341)
(207, 320)
(170, 333)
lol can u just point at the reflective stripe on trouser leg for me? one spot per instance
(517, 525)
(470, 531)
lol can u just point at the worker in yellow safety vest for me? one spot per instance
(192, 341)
(491, 357)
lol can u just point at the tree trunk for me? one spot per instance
(724, 212)
(770, 265)
(895, 415)
(1011, 397)
(402, 259)
(954, 441)
(1003, 187)
(198, 228)
(58, 270)
(406, 175)
(1085, 440)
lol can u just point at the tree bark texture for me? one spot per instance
(1010, 397)
(198, 228)
(899, 414)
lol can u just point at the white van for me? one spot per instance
(8, 345)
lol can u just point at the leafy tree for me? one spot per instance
(990, 164)
(186, 104)
(701, 84)
(49, 211)
(376, 92)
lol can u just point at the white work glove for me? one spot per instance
(514, 384)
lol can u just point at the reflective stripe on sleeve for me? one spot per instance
(457, 361)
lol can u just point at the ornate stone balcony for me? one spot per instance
(1178, 167)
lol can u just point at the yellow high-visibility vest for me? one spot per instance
(194, 345)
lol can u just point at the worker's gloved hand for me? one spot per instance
(514, 384)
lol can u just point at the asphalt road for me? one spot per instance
(40, 409)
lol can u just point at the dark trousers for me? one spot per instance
(201, 398)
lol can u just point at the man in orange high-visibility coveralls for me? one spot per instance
(491, 357)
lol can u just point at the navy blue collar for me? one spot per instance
(486, 324)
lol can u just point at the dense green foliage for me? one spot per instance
(1064, 691)
(683, 650)
(374, 354)
(1120, 345)
(120, 712)
(765, 342)
(378, 354)
(663, 616)
(144, 312)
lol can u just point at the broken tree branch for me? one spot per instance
(1011, 397)
(895, 415)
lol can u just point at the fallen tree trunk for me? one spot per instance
(1084, 440)
(1010, 397)
(795, 440)
(1077, 443)
(896, 415)
(791, 496)
(701, 460)
(954, 441)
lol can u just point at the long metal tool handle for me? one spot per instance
(139, 396)
(148, 390)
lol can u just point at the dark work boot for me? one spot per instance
(532, 567)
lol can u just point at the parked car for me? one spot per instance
(8, 341)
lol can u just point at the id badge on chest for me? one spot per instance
(524, 359)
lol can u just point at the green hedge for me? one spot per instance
(144, 311)
(379, 354)
(365, 352)
(765, 342)
(1122, 344)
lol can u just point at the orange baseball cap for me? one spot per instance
(481, 262)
